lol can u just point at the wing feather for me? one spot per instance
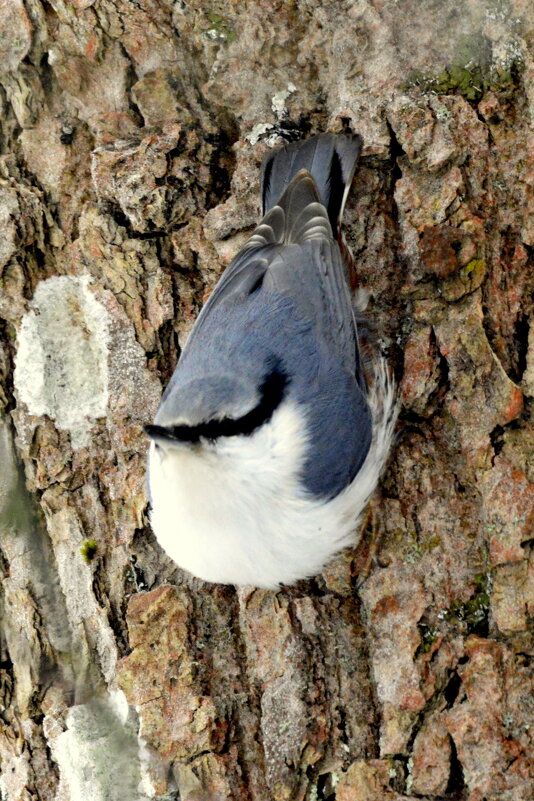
(292, 252)
(313, 274)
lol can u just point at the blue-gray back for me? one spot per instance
(285, 300)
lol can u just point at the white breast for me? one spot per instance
(234, 511)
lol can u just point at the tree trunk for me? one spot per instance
(131, 139)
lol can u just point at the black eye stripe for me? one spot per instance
(272, 392)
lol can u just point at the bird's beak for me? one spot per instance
(159, 434)
(165, 438)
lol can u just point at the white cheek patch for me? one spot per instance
(235, 511)
(215, 506)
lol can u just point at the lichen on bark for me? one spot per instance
(131, 136)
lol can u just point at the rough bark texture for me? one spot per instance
(131, 137)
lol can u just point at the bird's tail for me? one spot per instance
(329, 159)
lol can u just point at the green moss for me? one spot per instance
(88, 550)
(470, 75)
(429, 635)
(453, 80)
(473, 614)
(220, 28)
(473, 272)
(432, 542)
(474, 264)
(215, 20)
(421, 546)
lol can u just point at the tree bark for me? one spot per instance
(131, 138)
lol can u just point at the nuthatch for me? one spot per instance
(272, 433)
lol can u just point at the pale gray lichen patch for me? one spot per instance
(61, 367)
(278, 101)
(257, 132)
(98, 752)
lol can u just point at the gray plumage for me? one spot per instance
(285, 301)
(268, 442)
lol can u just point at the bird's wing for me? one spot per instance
(292, 252)
(299, 217)
(313, 275)
(241, 278)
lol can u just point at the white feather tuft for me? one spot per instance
(235, 512)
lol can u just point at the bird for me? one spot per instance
(276, 424)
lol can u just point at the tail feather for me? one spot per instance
(329, 159)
